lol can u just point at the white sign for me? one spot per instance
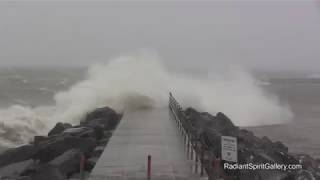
(229, 149)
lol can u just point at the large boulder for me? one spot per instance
(16, 178)
(246, 139)
(204, 120)
(50, 150)
(99, 132)
(90, 163)
(48, 172)
(59, 128)
(105, 117)
(212, 138)
(18, 154)
(80, 132)
(104, 141)
(15, 169)
(279, 146)
(196, 119)
(310, 164)
(96, 132)
(225, 125)
(68, 162)
(97, 151)
(77, 176)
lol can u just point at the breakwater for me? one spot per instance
(201, 133)
(68, 152)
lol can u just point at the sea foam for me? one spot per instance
(137, 81)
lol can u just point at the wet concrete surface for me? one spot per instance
(139, 134)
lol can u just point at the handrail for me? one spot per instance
(195, 149)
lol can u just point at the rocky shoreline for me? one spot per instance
(251, 149)
(58, 155)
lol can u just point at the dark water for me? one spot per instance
(32, 87)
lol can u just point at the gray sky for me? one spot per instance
(264, 34)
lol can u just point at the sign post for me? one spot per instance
(229, 149)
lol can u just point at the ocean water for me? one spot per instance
(35, 86)
(24, 90)
(26, 98)
(301, 134)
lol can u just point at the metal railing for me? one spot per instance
(196, 150)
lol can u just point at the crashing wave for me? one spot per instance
(141, 81)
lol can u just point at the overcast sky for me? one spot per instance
(282, 35)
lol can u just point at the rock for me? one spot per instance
(90, 163)
(80, 132)
(262, 157)
(211, 137)
(247, 139)
(266, 143)
(107, 134)
(24, 178)
(68, 162)
(48, 172)
(284, 158)
(105, 117)
(39, 139)
(103, 142)
(77, 176)
(225, 125)
(99, 132)
(18, 154)
(308, 162)
(52, 149)
(220, 122)
(96, 132)
(15, 169)
(57, 156)
(59, 128)
(208, 129)
(303, 174)
(16, 178)
(279, 146)
(195, 119)
(97, 151)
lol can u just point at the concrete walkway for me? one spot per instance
(143, 133)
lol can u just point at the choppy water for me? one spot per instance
(32, 87)
(24, 95)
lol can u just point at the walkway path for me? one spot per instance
(139, 134)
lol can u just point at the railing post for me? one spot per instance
(188, 147)
(210, 170)
(184, 141)
(201, 162)
(82, 162)
(216, 169)
(197, 161)
(191, 155)
(149, 168)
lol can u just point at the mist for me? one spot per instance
(141, 81)
(137, 81)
